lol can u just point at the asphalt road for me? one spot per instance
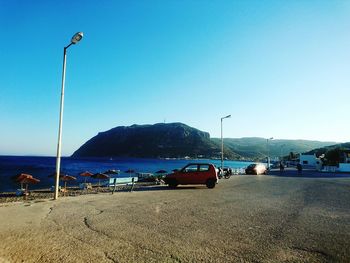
(244, 219)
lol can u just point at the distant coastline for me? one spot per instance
(42, 167)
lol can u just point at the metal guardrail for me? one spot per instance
(332, 169)
(238, 171)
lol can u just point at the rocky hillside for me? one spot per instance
(162, 140)
(177, 140)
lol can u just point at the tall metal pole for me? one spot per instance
(222, 143)
(268, 152)
(281, 153)
(222, 148)
(75, 39)
(58, 158)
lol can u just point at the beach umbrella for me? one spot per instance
(161, 172)
(112, 172)
(65, 179)
(20, 177)
(100, 176)
(27, 179)
(86, 174)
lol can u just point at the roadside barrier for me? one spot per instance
(238, 171)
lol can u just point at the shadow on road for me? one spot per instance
(165, 187)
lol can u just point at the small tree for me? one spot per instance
(333, 157)
(291, 156)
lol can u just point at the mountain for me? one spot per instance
(178, 140)
(257, 148)
(325, 149)
(334, 154)
(172, 140)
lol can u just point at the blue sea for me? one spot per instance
(43, 167)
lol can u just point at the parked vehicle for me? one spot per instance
(227, 172)
(256, 168)
(193, 173)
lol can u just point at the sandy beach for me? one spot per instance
(244, 219)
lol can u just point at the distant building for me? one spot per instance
(310, 161)
(346, 156)
(344, 166)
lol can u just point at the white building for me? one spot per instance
(344, 167)
(310, 161)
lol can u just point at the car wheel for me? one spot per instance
(211, 183)
(173, 184)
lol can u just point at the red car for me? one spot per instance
(194, 173)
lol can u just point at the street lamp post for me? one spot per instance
(268, 152)
(75, 39)
(222, 143)
(281, 153)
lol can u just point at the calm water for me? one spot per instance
(42, 167)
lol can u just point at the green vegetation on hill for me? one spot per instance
(333, 154)
(257, 148)
(322, 150)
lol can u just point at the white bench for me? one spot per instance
(120, 181)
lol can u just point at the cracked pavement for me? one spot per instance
(243, 219)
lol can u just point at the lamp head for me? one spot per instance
(228, 116)
(77, 37)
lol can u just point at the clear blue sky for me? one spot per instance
(280, 68)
